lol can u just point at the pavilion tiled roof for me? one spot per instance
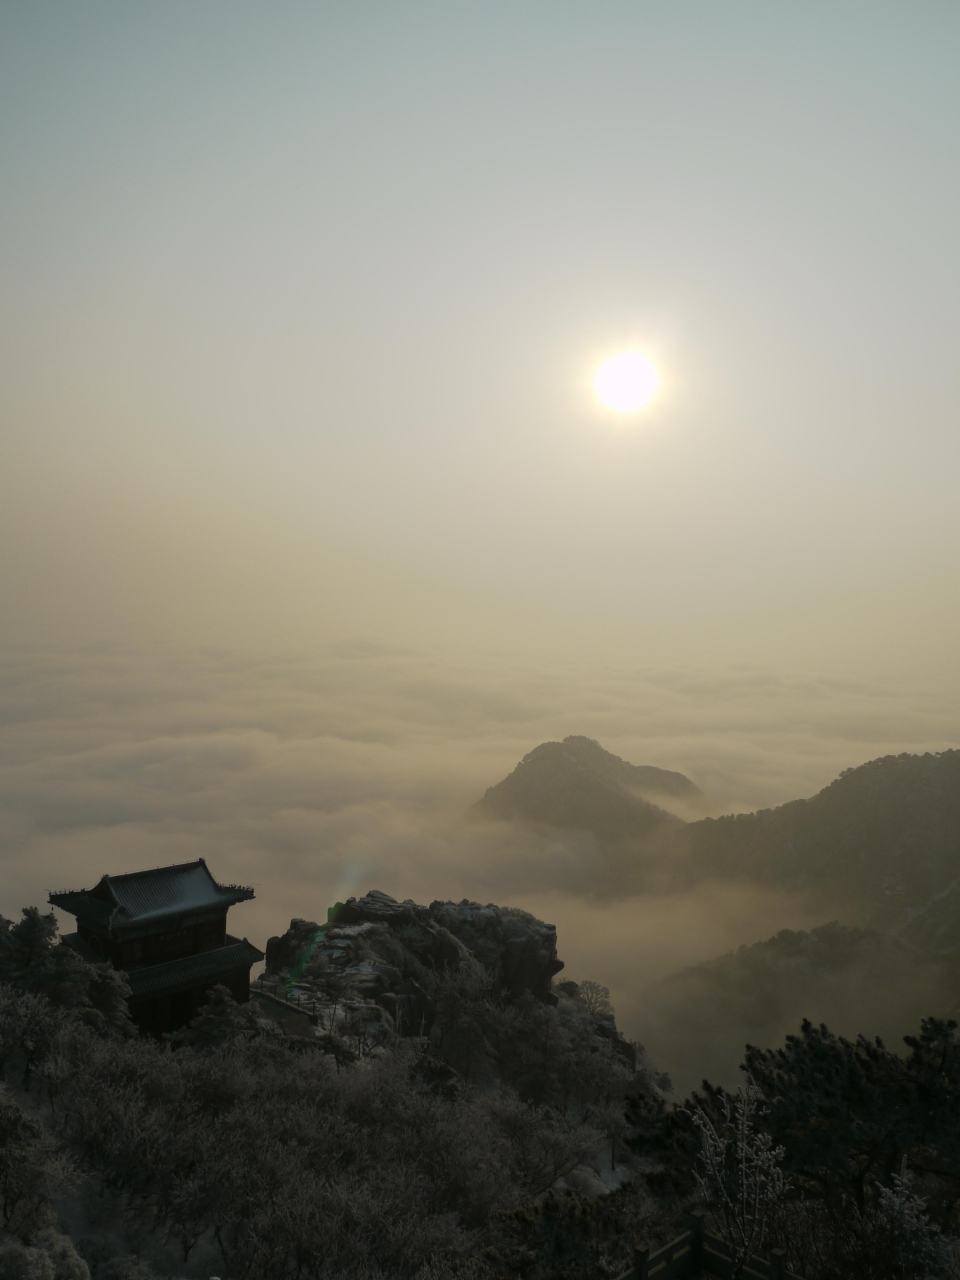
(143, 896)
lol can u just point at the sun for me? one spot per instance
(626, 382)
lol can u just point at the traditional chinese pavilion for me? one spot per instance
(167, 929)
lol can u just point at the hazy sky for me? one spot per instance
(337, 277)
(310, 522)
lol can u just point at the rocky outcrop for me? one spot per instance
(472, 983)
(284, 952)
(377, 950)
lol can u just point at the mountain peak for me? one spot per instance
(578, 784)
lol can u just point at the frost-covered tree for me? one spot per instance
(32, 1172)
(594, 996)
(33, 960)
(220, 1021)
(739, 1171)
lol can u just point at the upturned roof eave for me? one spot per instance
(111, 906)
(119, 922)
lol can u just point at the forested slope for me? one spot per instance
(697, 1020)
(884, 838)
(882, 841)
(234, 1149)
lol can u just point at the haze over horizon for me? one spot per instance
(312, 524)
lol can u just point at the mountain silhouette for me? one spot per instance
(883, 837)
(880, 844)
(577, 784)
(697, 1020)
(878, 849)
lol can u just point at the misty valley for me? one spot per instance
(425, 1091)
(875, 855)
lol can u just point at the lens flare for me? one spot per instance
(626, 382)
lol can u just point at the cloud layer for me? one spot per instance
(315, 775)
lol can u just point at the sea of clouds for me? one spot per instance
(320, 773)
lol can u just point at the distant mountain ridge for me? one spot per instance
(853, 979)
(883, 837)
(579, 785)
(879, 846)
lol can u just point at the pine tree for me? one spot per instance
(220, 1021)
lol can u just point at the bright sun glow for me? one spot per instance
(626, 382)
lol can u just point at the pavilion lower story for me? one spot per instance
(165, 997)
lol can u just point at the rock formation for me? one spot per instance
(377, 950)
(472, 983)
